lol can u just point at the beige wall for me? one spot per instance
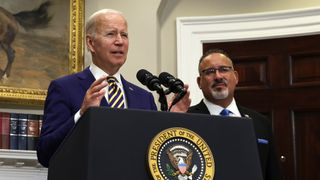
(142, 19)
(152, 26)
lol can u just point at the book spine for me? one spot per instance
(40, 123)
(22, 131)
(14, 118)
(33, 131)
(5, 124)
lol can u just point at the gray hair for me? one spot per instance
(91, 23)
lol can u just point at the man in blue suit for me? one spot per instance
(217, 81)
(70, 96)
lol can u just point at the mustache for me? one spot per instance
(219, 81)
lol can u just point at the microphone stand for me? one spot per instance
(176, 99)
(162, 100)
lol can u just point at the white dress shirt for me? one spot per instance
(216, 109)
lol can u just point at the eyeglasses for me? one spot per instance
(221, 70)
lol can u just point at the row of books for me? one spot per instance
(19, 131)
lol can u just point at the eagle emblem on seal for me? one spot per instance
(181, 159)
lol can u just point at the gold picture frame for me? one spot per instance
(36, 97)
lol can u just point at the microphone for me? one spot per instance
(153, 83)
(175, 85)
(149, 80)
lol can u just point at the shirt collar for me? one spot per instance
(215, 109)
(97, 73)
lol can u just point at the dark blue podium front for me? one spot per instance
(113, 144)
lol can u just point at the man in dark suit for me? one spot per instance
(70, 96)
(217, 80)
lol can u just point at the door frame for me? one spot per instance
(192, 32)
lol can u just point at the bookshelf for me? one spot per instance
(20, 165)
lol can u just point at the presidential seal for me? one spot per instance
(180, 154)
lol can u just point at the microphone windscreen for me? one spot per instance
(142, 76)
(165, 78)
(149, 80)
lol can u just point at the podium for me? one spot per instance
(113, 144)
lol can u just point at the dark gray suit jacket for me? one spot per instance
(263, 130)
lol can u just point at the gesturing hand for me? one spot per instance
(94, 94)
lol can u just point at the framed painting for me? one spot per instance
(40, 40)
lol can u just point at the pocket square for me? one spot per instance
(263, 141)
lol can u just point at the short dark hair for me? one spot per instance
(211, 51)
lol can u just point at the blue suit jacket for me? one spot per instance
(64, 99)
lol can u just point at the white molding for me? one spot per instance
(192, 32)
(19, 173)
(18, 154)
(20, 164)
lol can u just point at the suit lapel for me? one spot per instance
(86, 78)
(201, 108)
(243, 112)
(128, 92)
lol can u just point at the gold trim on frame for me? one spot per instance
(36, 97)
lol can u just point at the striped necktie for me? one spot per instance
(225, 112)
(115, 95)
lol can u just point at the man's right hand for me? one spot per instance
(94, 94)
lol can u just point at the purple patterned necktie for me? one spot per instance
(115, 95)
